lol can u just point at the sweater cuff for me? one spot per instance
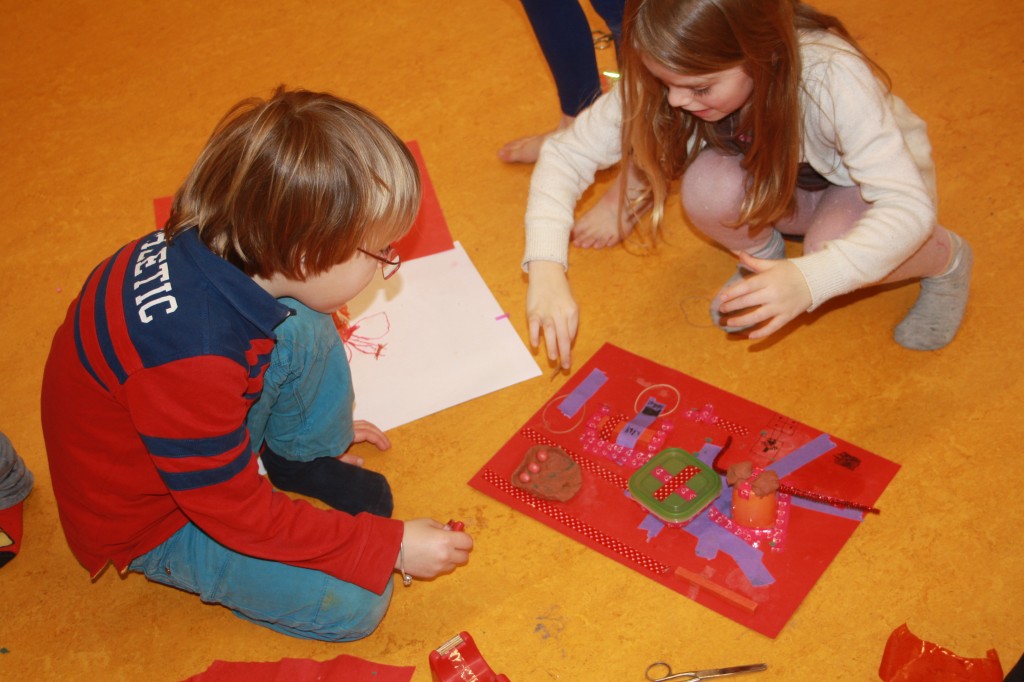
(547, 243)
(381, 554)
(824, 279)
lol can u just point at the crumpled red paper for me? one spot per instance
(908, 658)
(341, 669)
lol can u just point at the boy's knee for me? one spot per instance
(343, 618)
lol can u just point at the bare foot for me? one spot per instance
(527, 149)
(600, 227)
(523, 150)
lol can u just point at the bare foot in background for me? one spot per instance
(599, 227)
(527, 149)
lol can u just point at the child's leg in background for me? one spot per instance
(303, 419)
(564, 36)
(15, 485)
(295, 601)
(611, 12)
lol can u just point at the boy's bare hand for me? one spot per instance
(365, 432)
(431, 549)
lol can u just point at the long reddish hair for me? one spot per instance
(698, 37)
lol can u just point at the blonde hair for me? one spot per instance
(698, 37)
(295, 184)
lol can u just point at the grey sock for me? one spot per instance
(15, 478)
(775, 249)
(935, 318)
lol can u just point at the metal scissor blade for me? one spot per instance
(725, 672)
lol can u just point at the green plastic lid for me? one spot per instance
(675, 486)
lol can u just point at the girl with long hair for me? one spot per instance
(775, 123)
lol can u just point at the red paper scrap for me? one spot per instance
(347, 668)
(907, 658)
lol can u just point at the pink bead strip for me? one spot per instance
(601, 442)
(587, 531)
(773, 539)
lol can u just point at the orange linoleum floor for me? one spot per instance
(105, 106)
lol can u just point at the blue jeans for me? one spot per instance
(564, 37)
(305, 410)
(295, 601)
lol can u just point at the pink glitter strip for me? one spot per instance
(587, 531)
(773, 538)
(828, 499)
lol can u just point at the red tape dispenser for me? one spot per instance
(458, 660)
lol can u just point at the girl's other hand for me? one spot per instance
(431, 549)
(777, 292)
(550, 307)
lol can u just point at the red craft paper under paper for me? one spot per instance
(429, 233)
(813, 540)
(347, 668)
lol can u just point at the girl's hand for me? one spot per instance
(365, 432)
(550, 307)
(777, 292)
(431, 549)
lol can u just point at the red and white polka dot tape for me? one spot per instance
(563, 517)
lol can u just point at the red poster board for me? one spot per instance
(603, 419)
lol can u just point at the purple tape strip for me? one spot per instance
(653, 525)
(631, 432)
(708, 452)
(712, 538)
(803, 455)
(582, 393)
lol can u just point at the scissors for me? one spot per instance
(661, 672)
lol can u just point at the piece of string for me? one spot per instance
(708, 324)
(365, 344)
(666, 412)
(547, 424)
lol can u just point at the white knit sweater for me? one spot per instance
(854, 133)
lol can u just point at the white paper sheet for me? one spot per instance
(443, 340)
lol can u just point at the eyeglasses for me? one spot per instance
(389, 260)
